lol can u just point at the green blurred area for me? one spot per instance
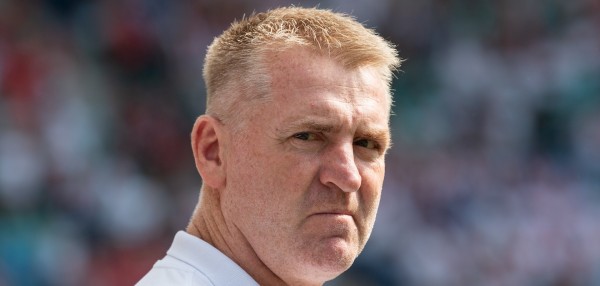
(494, 177)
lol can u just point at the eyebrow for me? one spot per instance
(310, 125)
(379, 134)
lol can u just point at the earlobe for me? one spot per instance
(206, 145)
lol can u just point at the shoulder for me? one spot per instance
(192, 261)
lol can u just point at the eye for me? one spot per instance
(368, 144)
(305, 136)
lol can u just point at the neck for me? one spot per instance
(209, 224)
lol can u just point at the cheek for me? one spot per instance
(264, 185)
(371, 192)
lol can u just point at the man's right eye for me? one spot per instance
(305, 136)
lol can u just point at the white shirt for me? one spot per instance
(192, 261)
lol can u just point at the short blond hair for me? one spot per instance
(235, 68)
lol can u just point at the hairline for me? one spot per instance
(250, 89)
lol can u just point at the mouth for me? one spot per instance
(338, 215)
(336, 212)
(333, 224)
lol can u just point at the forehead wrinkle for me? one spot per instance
(323, 116)
(329, 124)
(313, 123)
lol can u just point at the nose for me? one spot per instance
(339, 168)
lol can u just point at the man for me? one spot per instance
(291, 152)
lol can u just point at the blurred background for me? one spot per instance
(494, 177)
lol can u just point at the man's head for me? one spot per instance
(234, 68)
(292, 148)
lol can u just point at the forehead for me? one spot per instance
(309, 92)
(300, 70)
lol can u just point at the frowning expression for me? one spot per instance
(305, 172)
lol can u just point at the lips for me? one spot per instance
(335, 213)
(348, 213)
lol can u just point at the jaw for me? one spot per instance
(322, 260)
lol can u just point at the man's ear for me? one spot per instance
(207, 144)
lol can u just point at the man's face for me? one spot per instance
(305, 172)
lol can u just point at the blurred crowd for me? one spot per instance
(494, 177)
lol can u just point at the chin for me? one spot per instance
(323, 262)
(334, 257)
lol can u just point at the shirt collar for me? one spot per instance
(205, 258)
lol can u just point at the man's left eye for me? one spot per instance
(365, 143)
(305, 136)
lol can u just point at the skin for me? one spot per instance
(292, 194)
